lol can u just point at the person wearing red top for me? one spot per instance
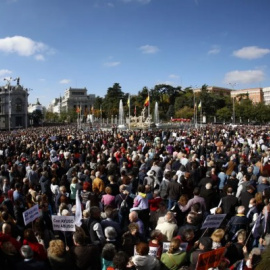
(30, 239)
(154, 203)
(5, 236)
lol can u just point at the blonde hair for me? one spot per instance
(74, 180)
(174, 245)
(217, 235)
(56, 248)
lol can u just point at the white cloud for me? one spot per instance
(111, 64)
(24, 46)
(244, 76)
(39, 57)
(5, 72)
(214, 50)
(65, 81)
(251, 52)
(173, 76)
(149, 49)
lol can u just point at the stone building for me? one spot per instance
(254, 94)
(13, 106)
(73, 99)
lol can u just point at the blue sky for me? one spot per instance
(56, 44)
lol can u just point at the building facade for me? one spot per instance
(73, 99)
(35, 107)
(266, 95)
(254, 94)
(13, 106)
(215, 89)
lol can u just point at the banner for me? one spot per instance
(210, 259)
(166, 246)
(213, 221)
(63, 223)
(31, 214)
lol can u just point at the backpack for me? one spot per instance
(123, 206)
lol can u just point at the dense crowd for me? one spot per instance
(144, 196)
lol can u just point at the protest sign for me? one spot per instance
(213, 221)
(210, 259)
(30, 214)
(166, 246)
(63, 223)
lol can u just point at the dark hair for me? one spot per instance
(120, 260)
(79, 238)
(196, 191)
(141, 188)
(142, 249)
(108, 252)
(30, 236)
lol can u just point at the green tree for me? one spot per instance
(224, 113)
(185, 112)
(110, 104)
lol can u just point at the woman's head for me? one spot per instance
(56, 248)
(108, 252)
(174, 245)
(86, 186)
(108, 190)
(29, 235)
(142, 249)
(217, 235)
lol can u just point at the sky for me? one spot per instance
(56, 44)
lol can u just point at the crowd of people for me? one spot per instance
(144, 196)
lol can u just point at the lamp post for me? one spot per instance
(8, 80)
(194, 106)
(233, 85)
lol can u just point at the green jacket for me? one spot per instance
(173, 261)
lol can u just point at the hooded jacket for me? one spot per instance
(145, 262)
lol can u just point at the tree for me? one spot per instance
(224, 113)
(185, 112)
(165, 95)
(36, 116)
(110, 105)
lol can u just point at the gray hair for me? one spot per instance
(110, 232)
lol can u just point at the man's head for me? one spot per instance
(241, 210)
(205, 243)
(169, 217)
(133, 216)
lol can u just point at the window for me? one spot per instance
(18, 105)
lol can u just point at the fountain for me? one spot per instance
(156, 115)
(121, 123)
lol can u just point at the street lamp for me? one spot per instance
(233, 85)
(8, 80)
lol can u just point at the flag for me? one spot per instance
(200, 105)
(78, 109)
(146, 103)
(265, 220)
(195, 107)
(128, 101)
(92, 110)
(85, 111)
(135, 110)
(78, 214)
(256, 226)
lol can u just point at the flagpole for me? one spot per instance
(129, 111)
(149, 108)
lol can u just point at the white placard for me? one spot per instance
(30, 214)
(63, 223)
(166, 246)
